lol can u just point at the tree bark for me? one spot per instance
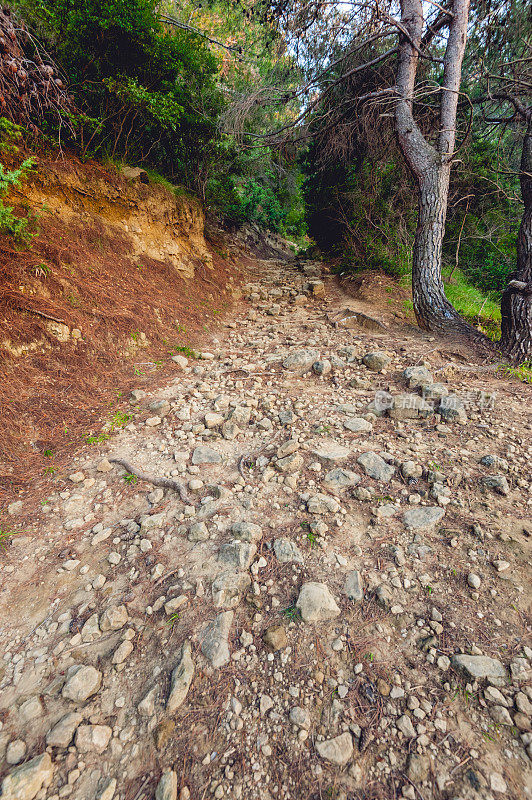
(516, 303)
(431, 166)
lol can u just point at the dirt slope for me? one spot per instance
(119, 278)
(336, 602)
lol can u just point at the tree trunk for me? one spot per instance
(431, 166)
(516, 304)
(431, 307)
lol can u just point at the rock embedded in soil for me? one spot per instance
(376, 360)
(63, 731)
(275, 637)
(316, 603)
(479, 667)
(26, 781)
(423, 517)
(167, 786)
(375, 466)
(338, 750)
(182, 677)
(215, 640)
(81, 683)
(353, 587)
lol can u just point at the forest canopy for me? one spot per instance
(338, 120)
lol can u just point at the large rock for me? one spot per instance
(338, 479)
(497, 483)
(63, 731)
(215, 642)
(330, 451)
(227, 588)
(358, 425)
(26, 781)
(93, 738)
(323, 504)
(237, 554)
(353, 586)
(113, 618)
(81, 683)
(338, 750)
(289, 464)
(410, 406)
(417, 377)
(452, 409)
(167, 786)
(423, 517)
(181, 679)
(205, 455)
(300, 361)
(376, 360)
(316, 603)
(247, 531)
(376, 467)
(479, 667)
(286, 550)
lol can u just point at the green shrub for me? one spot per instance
(18, 227)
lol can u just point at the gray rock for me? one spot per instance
(322, 367)
(434, 391)
(247, 531)
(404, 724)
(358, 425)
(237, 554)
(452, 409)
(316, 603)
(410, 406)
(289, 464)
(423, 517)
(353, 587)
(300, 717)
(167, 786)
(81, 683)
(376, 360)
(227, 588)
(338, 750)
(106, 789)
(330, 451)
(146, 707)
(215, 641)
(63, 731)
(93, 738)
(205, 455)
(409, 469)
(114, 618)
(501, 715)
(16, 751)
(26, 781)
(286, 550)
(497, 483)
(417, 377)
(338, 479)
(322, 504)
(300, 361)
(30, 709)
(374, 466)
(198, 532)
(479, 667)
(181, 679)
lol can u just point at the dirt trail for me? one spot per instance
(338, 606)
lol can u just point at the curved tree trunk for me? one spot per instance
(431, 166)
(432, 309)
(516, 304)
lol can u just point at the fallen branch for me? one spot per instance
(165, 483)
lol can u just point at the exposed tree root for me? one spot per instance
(165, 483)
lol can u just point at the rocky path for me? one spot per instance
(332, 601)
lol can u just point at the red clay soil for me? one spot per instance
(54, 396)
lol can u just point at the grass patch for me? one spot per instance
(523, 372)
(476, 306)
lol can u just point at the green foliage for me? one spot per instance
(17, 227)
(522, 373)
